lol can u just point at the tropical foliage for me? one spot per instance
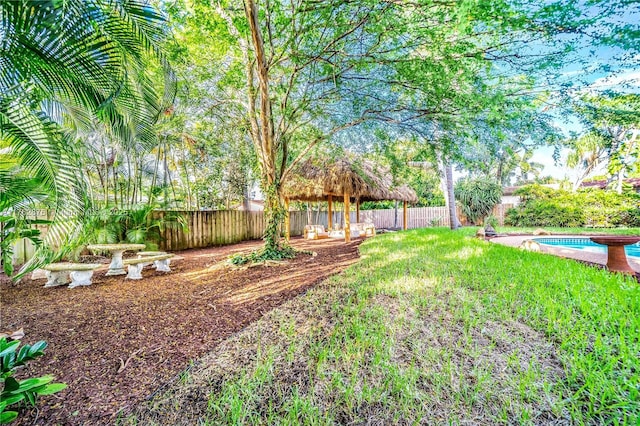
(542, 206)
(477, 197)
(611, 138)
(264, 85)
(71, 70)
(16, 391)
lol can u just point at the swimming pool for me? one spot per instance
(586, 244)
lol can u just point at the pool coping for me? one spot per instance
(576, 254)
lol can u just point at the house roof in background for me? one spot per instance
(602, 184)
(509, 190)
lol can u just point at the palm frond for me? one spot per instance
(65, 66)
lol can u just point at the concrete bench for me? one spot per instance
(59, 273)
(150, 253)
(135, 266)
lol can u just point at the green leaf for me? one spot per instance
(51, 388)
(38, 348)
(31, 398)
(12, 399)
(11, 347)
(35, 382)
(23, 353)
(10, 385)
(8, 417)
(8, 361)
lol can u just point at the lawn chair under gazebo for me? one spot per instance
(352, 181)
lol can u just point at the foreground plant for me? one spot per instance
(279, 252)
(15, 391)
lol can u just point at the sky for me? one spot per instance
(595, 68)
(626, 82)
(592, 78)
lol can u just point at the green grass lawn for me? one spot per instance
(435, 327)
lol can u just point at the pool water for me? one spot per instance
(586, 244)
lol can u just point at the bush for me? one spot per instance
(477, 197)
(137, 225)
(14, 391)
(542, 206)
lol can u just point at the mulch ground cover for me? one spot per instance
(118, 341)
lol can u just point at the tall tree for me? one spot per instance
(333, 65)
(611, 136)
(312, 70)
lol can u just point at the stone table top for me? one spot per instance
(125, 246)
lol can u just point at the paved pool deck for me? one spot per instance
(601, 258)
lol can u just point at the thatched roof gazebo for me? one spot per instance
(349, 180)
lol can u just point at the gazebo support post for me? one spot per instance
(330, 213)
(287, 222)
(347, 219)
(404, 215)
(357, 210)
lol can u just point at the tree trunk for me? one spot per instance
(274, 214)
(619, 180)
(154, 177)
(262, 131)
(450, 199)
(246, 204)
(287, 221)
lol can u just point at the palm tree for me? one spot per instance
(67, 66)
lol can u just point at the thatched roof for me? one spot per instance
(361, 179)
(405, 193)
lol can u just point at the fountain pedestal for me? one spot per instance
(616, 256)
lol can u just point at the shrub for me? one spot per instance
(542, 206)
(477, 197)
(137, 225)
(15, 391)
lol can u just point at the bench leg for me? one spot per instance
(79, 278)
(162, 265)
(57, 278)
(135, 271)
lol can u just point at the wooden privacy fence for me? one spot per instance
(418, 217)
(220, 227)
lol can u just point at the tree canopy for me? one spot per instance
(260, 85)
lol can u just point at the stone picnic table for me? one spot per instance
(116, 267)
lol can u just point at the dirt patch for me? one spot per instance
(116, 342)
